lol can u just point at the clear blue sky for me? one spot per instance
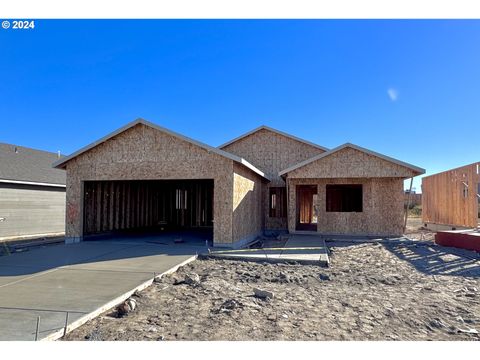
(408, 89)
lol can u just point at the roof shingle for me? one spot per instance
(18, 163)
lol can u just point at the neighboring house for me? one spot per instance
(32, 193)
(143, 176)
(412, 198)
(452, 197)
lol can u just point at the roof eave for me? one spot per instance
(61, 164)
(417, 170)
(36, 183)
(261, 127)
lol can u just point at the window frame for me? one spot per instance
(277, 202)
(465, 189)
(343, 204)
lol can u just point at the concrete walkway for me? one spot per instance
(81, 279)
(303, 249)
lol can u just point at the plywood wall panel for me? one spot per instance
(350, 162)
(443, 198)
(272, 152)
(247, 204)
(382, 207)
(142, 153)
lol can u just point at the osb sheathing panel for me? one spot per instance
(247, 203)
(272, 152)
(444, 200)
(382, 207)
(144, 153)
(350, 162)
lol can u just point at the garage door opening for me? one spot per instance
(148, 207)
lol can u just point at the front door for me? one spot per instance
(306, 209)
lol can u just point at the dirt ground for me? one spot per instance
(371, 291)
(416, 231)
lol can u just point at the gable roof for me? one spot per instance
(22, 165)
(264, 127)
(356, 147)
(472, 165)
(60, 164)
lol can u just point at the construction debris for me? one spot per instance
(263, 294)
(468, 331)
(192, 279)
(126, 307)
(229, 305)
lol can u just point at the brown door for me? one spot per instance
(306, 214)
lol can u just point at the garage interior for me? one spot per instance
(137, 207)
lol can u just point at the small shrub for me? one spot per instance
(415, 211)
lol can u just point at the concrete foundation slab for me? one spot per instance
(304, 249)
(79, 279)
(69, 289)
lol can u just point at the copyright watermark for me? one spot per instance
(18, 24)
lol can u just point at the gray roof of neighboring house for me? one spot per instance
(20, 164)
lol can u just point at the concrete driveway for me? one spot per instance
(81, 279)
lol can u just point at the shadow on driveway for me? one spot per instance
(118, 252)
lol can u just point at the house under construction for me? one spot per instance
(144, 177)
(452, 197)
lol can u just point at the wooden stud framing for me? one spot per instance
(123, 205)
